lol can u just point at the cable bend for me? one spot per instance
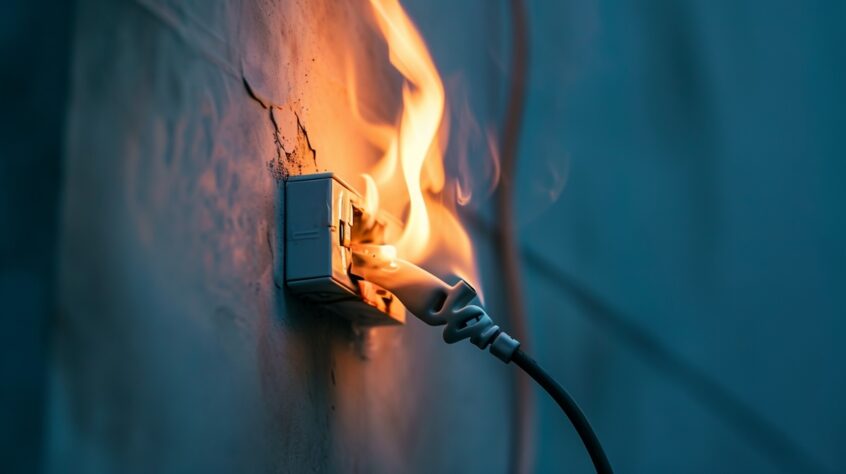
(570, 408)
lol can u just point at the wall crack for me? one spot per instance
(294, 153)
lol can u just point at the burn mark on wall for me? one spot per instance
(298, 156)
(294, 151)
(304, 150)
(277, 165)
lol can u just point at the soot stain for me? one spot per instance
(302, 158)
(296, 161)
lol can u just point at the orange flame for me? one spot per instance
(410, 177)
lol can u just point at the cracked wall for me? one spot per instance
(177, 347)
(695, 155)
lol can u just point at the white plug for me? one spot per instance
(336, 257)
(432, 300)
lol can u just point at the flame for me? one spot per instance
(410, 178)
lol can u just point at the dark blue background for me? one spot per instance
(35, 51)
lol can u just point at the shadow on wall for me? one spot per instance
(680, 185)
(34, 45)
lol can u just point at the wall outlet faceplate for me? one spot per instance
(324, 217)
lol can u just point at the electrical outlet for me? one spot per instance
(324, 217)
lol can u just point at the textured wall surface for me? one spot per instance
(680, 204)
(177, 348)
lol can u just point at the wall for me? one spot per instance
(34, 47)
(177, 347)
(683, 217)
(680, 210)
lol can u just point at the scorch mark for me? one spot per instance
(300, 156)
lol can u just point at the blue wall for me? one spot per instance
(702, 220)
(681, 208)
(682, 212)
(33, 86)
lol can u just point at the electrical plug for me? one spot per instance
(431, 299)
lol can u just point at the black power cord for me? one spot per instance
(438, 303)
(570, 408)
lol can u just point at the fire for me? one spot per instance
(410, 179)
